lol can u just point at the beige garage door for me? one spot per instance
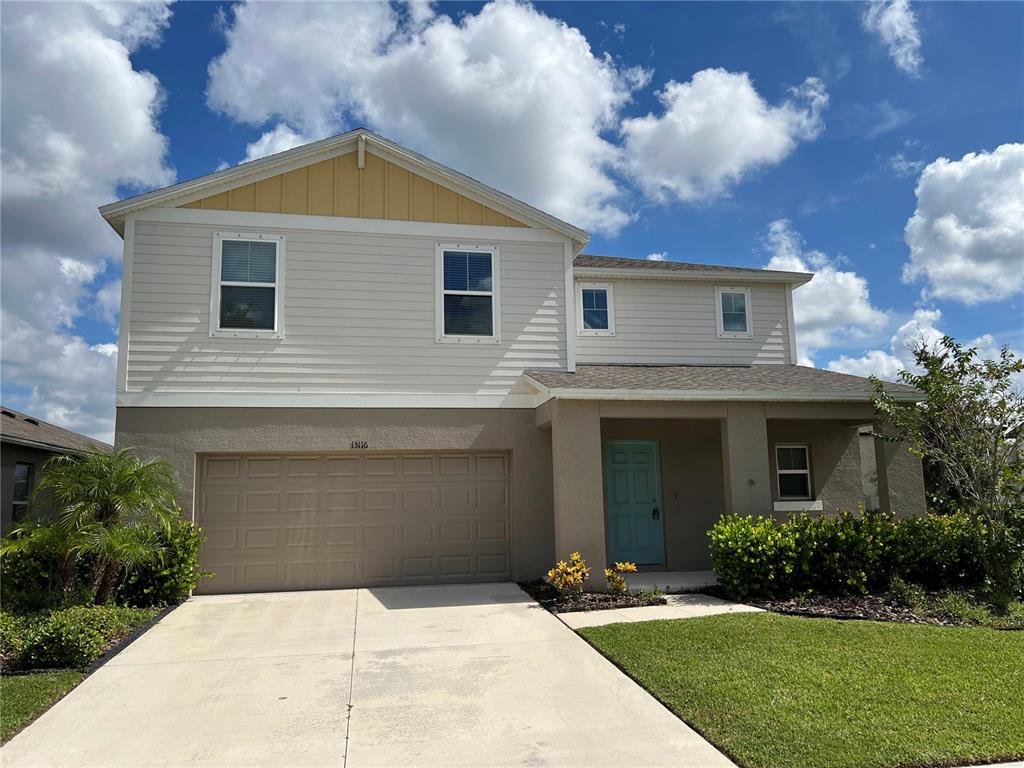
(276, 522)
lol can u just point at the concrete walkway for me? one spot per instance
(678, 607)
(419, 676)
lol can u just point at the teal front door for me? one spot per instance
(633, 498)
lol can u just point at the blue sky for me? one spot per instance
(796, 135)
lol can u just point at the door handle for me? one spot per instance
(655, 514)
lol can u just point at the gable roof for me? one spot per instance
(587, 265)
(20, 428)
(246, 173)
(711, 382)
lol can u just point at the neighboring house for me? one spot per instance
(370, 369)
(25, 445)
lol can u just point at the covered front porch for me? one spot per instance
(644, 480)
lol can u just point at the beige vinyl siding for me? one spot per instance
(674, 322)
(359, 316)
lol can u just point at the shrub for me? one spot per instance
(907, 594)
(72, 637)
(171, 580)
(617, 576)
(11, 632)
(568, 577)
(849, 553)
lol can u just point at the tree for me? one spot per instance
(110, 508)
(967, 432)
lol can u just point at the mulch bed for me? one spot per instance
(554, 601)
(868, 607)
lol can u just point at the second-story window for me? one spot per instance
(733, 311)
(595, 313)
(468, 303)
(247, 295)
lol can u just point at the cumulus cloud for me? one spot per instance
(78, 123)
(966, 236)
(922, 329)
(530, 125)
(895, 24)
(835, 304)
(713, 131)
(657, 256)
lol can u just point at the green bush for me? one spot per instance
(71, 637)
(907, 594)
(11, 633)
(171, 580)
(845, 554)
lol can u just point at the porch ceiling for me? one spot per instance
(684, 382)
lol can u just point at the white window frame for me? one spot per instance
(439, 293)
(607, 288)
(277, 332)
(779, 472)
(722, 333)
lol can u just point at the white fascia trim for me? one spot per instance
(247, 173)
(570, 309)
(700, 395)
(720, 275)
(798, 506)
(124, 324)
(283, 221)
(321, 400)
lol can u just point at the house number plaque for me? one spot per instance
(360, 444)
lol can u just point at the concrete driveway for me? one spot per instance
(417, 676)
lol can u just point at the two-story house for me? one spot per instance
(370, 369)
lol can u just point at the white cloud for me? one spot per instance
(836, 303)
(657, 256)
(896, 25)
(78, 122)
(279, 139)
(902, 166)
(713, 131)
(525, 100)
(921, 329)
(966, 236)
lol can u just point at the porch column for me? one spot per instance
(578, 484)
(900, 478)
(745, 460)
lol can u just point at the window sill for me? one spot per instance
(595, 333)
(724, 335)
(243, 334)
(468, 340)
(806, 505)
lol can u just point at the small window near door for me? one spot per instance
(794, 471)
(734, 319)
(22, 489)
(595, 314)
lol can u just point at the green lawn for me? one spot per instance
(24, 697)
(782, 691)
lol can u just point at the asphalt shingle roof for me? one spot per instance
(584, 261)
(22, 428)
(769, 380)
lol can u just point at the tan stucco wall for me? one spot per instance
(178, 434)
(691, 479)
(338, 187)
(900, 479)
(745, 459)
(836, 477)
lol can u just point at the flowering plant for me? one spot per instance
(617, 576)
(568, 577)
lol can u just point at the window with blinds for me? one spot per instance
(468, 293)
(248, 291)
(734, 320)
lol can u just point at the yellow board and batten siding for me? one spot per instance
(338, 187)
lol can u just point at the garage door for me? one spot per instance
(277, 522)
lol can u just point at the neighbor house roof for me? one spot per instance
(20, 428)
(586, 265)
(698, 382)
(308, 154)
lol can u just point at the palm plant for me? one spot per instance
(109, 506)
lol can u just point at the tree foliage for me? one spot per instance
(968, 432)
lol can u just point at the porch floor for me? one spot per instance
(671, 581)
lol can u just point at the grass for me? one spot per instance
(25, 697)
(783, 692)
